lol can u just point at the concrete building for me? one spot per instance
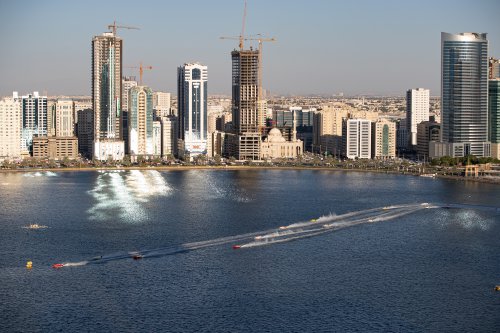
(427, 131)
(169, 136)
(383, 139)
(494, 116)
(356, 138)
(327, 130)
(192, 97)
(34, 119)
(107, 96)
(140, 121)
(161, 104)
(128, 82)
(464, 93)
(494, 68)
(64, 118)
(247, 109)
(417, 111)
(85, 129)
(51, 118)
(216, 145)
(157, 135)
(10, 128)
(56, 148)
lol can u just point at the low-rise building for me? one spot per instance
(55, 147)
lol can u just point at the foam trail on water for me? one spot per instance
(295, 231)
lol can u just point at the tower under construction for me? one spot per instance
(247, 113)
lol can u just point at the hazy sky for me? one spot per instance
(323, 46)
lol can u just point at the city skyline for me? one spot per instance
(322, 47)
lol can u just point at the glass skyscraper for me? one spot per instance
(140, 121)
(464, 93)
(494, 106)
(34, 119)
(192, 108)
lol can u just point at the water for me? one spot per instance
(375, 259)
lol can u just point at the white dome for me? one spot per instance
(275, 136)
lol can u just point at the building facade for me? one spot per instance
(169, 136)
(494, 116)
(10, 128)
(356, 138)
(85, 129)
(417, 111)
(192, 97)
(248, 119)
(427, 131)
(107, 95)
(327, 130)
(464, 93)
(383, 139)
(34, 119)
(56, 148)
(161, 104)
(494, 68)
(140, 121)
(157, 134)
(64, 117)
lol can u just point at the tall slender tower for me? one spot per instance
(246, 92)
(417, 111)
(34, 119)
(192, 108)
(140, 121)
(106, 96)
(464, 93)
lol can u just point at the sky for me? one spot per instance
(357, 47)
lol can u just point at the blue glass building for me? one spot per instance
(464, 93)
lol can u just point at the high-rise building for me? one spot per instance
(85, 128)
(192, 99)
(64, 121)
(464, 93)
(401, 135)
(161, 104)
(327, 130)
(127, 83)
(383, 139)
(417, 111)
(494, 69)
(169, 136)
(248, 116)
(157, 135)
(140, 121)
(494, 116)
(427, 131)
(10, 128)
(34, 119)
(356, 138)
(107, 96)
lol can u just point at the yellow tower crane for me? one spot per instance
(141, 71)
(113, 27)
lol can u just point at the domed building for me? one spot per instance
(276, 146)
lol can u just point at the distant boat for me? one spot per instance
(35, 226)
(428, 175)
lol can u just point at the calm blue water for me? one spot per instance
(432, 270)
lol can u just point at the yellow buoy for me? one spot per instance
(29, 264)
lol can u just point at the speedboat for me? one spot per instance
(58, 266)
(35, 226)
(313, 220)
(236, 247)
(137, 257)
(283, 228)
(327, 226)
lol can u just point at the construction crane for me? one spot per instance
(141, 71)
(113, 27)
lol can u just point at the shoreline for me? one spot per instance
(244, 167)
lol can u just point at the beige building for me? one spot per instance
(169, 136)
(383, 139)
(161, 103)
(55, 147)
(276, 146)
(327, 129)
(64, 117)
(10, 128)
